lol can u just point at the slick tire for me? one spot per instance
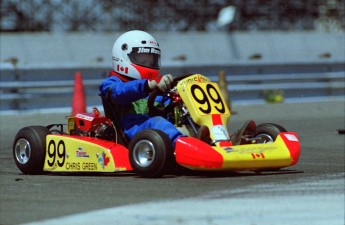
(268, 132)
(29, 149)
(151, 153)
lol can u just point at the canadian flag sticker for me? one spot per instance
(122, 69)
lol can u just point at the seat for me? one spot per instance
(111, 112)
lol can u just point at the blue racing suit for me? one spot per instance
(130, 97)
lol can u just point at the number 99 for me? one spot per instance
(203, 98)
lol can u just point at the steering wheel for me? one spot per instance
(158, 110)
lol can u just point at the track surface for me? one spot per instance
(26, 198)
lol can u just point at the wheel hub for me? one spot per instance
(264, 138)
(22, 151)
(144, 153)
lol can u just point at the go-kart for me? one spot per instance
(90, 142)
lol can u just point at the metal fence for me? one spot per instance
(40, 94)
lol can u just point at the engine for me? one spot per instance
(94, 125)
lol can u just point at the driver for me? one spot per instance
(135, 74)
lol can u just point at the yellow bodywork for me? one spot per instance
(69, 154)
(207, 107)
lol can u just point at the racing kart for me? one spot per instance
(90, 142)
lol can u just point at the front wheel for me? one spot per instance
(29, 149)
(268, 132)
(151, 153)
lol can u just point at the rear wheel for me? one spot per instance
(29, 149)
(151, 153)
(268, 132)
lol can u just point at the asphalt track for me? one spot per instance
(311, 192)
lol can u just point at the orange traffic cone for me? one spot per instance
(78, 100)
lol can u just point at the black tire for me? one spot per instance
(29, 149)
(151, 154)
(268, 132)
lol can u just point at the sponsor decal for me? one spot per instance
(103, 160)
(85, 117)
(80, 153)
(149, 50)
(194, 79)
(228, 150)
(115, 58)
(152, 42)
(255, 150)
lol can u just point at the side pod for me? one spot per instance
(191, 152)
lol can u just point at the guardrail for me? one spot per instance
(30, 95)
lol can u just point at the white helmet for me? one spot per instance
(136, 54)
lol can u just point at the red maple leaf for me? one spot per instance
(106, 160)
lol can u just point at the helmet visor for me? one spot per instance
(148, 57)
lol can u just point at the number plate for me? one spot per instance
(204, 101)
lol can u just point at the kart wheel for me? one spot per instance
(29, 149)
(150, 153)
(268, 132)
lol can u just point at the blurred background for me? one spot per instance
(264, 51)
(170, 15)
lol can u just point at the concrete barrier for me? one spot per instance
(36, 67)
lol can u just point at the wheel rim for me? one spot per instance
(22, 151)
(144, 153)
(264, 138)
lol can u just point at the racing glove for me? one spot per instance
(163, 83)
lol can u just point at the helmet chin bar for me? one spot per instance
(146, 73)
